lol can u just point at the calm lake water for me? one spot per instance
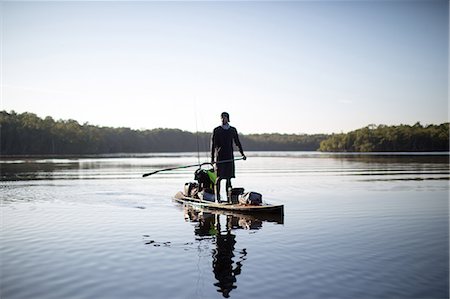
(355, 226)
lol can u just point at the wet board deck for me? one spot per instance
(265, 208)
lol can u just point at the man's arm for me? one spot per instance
(238, 143)
(213, 146)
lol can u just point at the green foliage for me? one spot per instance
(27, 134)
(282, 142)
(403, 138)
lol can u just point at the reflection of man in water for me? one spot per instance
(223, 260)
(223, 254)
(223, 263)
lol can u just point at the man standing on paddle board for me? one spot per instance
(222, 150)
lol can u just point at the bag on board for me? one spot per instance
(234, 194)
(190, 189)
(250, 198)
(205, 178)
(206, 195)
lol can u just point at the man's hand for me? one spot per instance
(244, 157)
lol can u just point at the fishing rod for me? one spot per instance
(192, 165)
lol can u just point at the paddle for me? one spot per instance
(193, 165)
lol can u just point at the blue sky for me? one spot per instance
(289, 67)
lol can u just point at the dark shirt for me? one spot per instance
(222, 149)
(222, 143)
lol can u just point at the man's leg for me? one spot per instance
(228, 185)
(217, 191)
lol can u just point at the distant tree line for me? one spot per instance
(403, 138)
(28, 134)
(282, 142)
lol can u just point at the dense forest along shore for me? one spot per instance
(27, 134)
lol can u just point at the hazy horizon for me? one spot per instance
(299, 67)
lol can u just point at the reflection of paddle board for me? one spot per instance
(238, 219)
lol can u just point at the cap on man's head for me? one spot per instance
(225, 114)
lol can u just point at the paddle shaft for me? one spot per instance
(193, 165)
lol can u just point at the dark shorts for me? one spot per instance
(225, 170)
